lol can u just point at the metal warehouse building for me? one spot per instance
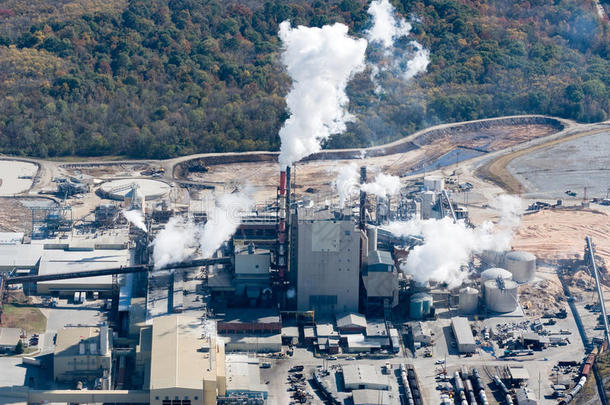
(463, 335)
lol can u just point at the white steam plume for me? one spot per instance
(346, 182)
(418, 63)
(181, 238)
(448, 246)
(223, 220)
(320, 62)
(384, 185)
(175, 243)
(386, 29)
(136, 218)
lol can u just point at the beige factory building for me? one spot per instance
(82, 354)
(186, 367)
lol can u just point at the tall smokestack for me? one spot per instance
(362, 220)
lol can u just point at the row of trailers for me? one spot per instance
(410, 394)
(469, 389)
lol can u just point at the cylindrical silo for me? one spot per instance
(468, 301)
(522, 265)
(494, 273)
(492, 257)
(420, 305)
(501, 295)
(434, 183)
(371, 234)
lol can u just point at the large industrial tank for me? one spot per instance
(522, 265)
(434, 183)
(493, 257)
(501, 295)
(420, 306)
(494, 273)
(468, 301)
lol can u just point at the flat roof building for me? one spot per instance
(371, 397)
(82, 354)
(463, 335)
(185, 365)
(328, 266)
(59, 261)
(18, 256)
(243, 378)
(364, 376)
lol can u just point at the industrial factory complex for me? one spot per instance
(309, 299)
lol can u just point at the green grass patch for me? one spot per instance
(25, 317)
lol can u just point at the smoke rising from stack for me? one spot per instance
(448, 246)
(181, 238)
(223, 220)
(176, 242)
(347, 184)
(136, 218)
(383, 186)
(406, 59)
(320, 62)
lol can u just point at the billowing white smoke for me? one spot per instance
(386, 29)
(136, 218)
(223, 220)
(181, 239)
(383, 186)
(448, 246)
(175, 243)
(346, 182)
(320, 62)
(418, 63)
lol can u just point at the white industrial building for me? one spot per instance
(243, 377)
(371, 397)
(58, 261)
(463, 335)
(421, 333)
(19, 256)
(364, 376)
(328, 266)
(9, 337)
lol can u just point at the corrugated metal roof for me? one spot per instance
(463, 333)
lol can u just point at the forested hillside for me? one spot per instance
(159, 78)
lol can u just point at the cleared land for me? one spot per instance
(496, 171)
(560, 234)
(319, 174)
(585, 162)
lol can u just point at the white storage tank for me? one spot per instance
(501, 295)
(493, 257)
(522, 265)
(434, 183)
(494, 273)
(468, 301)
